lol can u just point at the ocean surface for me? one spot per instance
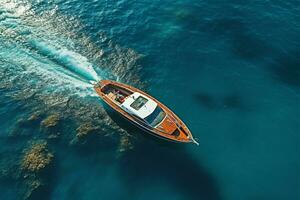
(229, 69)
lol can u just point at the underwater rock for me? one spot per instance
(36, 158)
(51, 121)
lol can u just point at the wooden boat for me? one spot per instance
(144, 111)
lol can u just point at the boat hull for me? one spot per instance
(184, 135)
(142, 128)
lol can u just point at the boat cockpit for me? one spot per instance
(115, 93)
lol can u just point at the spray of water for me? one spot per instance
(70, 60)
(44, 59)
(43, 50)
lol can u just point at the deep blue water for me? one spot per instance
(229, 69)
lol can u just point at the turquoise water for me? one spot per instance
(230, 70)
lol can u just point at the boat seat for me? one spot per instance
(176, 133)
(111, 96)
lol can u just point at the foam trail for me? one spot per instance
(73, 61)
(44, 51)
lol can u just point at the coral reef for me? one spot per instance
(34, 117)
(84, 132)
(86, 129)
(36, 158)
(32, 185)
(51, 121)
(24, 126)
(51, 127)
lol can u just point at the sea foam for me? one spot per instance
(71, 60)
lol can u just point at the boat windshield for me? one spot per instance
(155, 117)
(139, 102)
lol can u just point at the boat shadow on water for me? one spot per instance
(154, 162)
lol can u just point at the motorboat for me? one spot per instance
(144, 111)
